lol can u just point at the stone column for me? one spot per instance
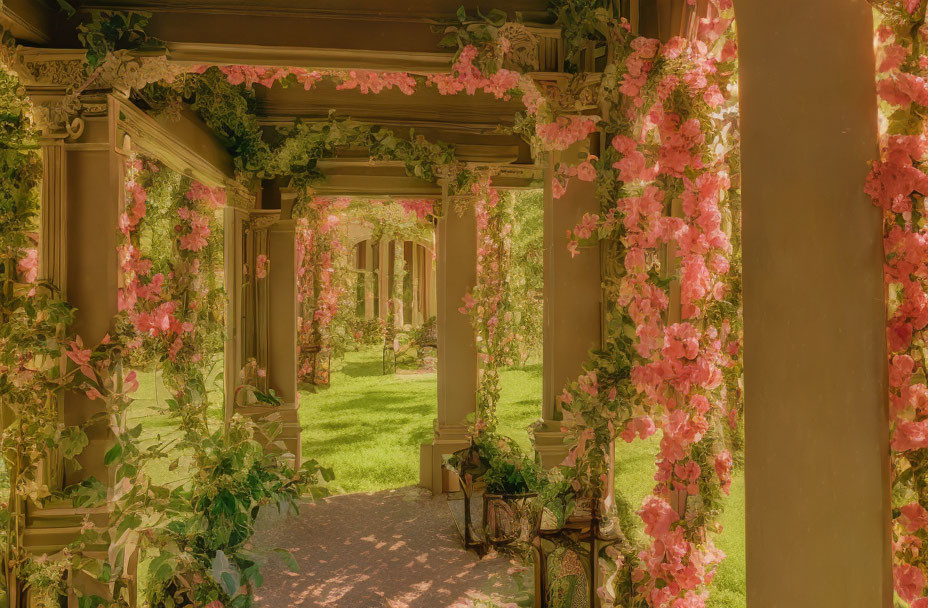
(235, 222)
(457, 348)
(256, 314)
(572, 301)
(369, 279)
(414, 270)
(282, 329)
(94, 186)
(383, 277)
(817, 471)
(431, 290)
(83, 193)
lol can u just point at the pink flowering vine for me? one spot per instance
(897, 184)
(376, 82)
(170, 311)
(467, 77)
(672, 212)
(566, 131)
(490, 304)
(320, 245)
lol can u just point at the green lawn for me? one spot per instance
(368, 428)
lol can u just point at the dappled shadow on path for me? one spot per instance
(391, 549)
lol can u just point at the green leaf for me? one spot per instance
(229, 583)
(72, 442)
(113, 454)
(450, 41)
(496, 17)
(288, 560)
(462, 14)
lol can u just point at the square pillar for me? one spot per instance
(235, 225)
(83, 194)
(572, 301)
(369, 278)
(457, 347)
(817, 431)
(383, 277)
(92, 178)
(282, 329)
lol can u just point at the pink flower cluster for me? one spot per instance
(193, 229)
(489, 304)
(163, 306)
(584, 171)
(565, 131)
(467, 77)
(421, 207)
(679, 372)
(376, 82)
(28, 265)
(266, 76)
(318, 243)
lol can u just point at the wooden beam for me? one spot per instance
(28, 20)
(182, 143)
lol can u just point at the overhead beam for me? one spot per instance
(28, 20)
(182, 143)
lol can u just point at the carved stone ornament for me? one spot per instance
(58, 117)
(523, 53)
(571, 94)
(56, 79)
(125, 71)
(263, 221)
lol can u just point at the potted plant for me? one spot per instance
(511, 509)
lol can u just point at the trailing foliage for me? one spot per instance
(110, 31)
(171, 306)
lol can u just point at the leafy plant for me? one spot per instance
(481, 32)
(110, 31)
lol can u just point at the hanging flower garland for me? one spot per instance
(898, 183)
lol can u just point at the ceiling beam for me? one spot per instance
(28, 20)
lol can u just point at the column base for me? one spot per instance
(549, 443)
(432, 473)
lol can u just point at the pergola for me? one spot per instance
(818, 508)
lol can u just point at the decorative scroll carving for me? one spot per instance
(124, 71)
(264, 220)
(531, 49)
(571, 94)
(55, 80)
(238, 196)
(59, 70)
(523, 55)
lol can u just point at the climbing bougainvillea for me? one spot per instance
(898, 183)
(172, 298)
(320, 251)
(670, 202)
(490, 303)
